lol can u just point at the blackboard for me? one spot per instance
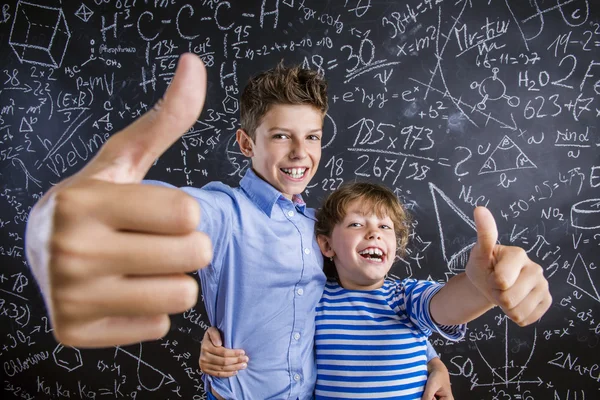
(452, 103)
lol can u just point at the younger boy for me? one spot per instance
(371, 332)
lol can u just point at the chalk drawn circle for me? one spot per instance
(493, 88)
(586, 214)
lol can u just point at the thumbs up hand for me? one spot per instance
(505, 275)
(110, 254)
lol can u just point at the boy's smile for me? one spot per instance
(287, 147)
(363, 246)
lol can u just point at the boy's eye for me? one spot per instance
(386, 227)
(279, 136)
(314, 137)
(355, 225)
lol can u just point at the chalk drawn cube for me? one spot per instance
(39, 34)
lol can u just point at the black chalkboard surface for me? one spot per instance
(452, 103)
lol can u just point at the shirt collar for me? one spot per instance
(264, 195)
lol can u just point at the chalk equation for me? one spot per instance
(452, 104)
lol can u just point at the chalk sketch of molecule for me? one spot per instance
(67, 357)
(492, 88)
(39, 34)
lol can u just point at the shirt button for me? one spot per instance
(300, 292)
(296, 336)
(306, 251)
(296, 377)
(290, 213)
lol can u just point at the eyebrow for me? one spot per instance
(277, 128)
(364, 213)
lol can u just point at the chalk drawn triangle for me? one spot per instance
(453, 224)
(580, 278)
(25, 126)
(506, 156)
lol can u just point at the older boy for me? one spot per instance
(100, 228)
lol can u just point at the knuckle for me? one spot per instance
(517, 318)
(506, 301)
(520, 252)
(538, 270)
(69, 202)
(200, 247)
(161, 328)
(500, 281)
(67, 336)
(187, 211)
(67, 306)
(187, 294)
(65, 261)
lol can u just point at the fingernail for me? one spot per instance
(245, 359)
(242, 352)
(244, 365)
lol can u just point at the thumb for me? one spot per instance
(128, 155)
(215, 336)
(487, 232)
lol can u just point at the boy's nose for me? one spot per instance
(298, 150)
(373, 234)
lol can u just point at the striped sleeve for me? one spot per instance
(412, 297)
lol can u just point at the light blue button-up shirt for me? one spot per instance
(262, 286)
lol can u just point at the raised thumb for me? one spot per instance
(128, 155)
(487, 232)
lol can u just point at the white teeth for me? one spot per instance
(295, 173)
(372, 251)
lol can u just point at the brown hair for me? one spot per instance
(374, 197)
(280, 85)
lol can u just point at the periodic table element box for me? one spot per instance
(39, 34)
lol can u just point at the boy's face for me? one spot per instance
(363, 246)
(287, 147)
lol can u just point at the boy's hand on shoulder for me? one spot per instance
(110, 254)
(505, 275)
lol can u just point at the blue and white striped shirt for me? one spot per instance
(372, 344)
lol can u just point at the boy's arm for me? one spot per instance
(438, 381)
(101, 229)
(495, 275)
(216, 360)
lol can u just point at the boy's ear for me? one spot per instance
(244, 142)
(325, 246)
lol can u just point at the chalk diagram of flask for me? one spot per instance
(452, 223)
